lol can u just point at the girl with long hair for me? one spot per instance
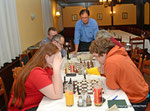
(40, 77)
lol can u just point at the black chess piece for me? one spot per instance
(78, 90)
(85, 76)
(70, 81)
(74, 91)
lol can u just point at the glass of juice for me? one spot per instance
(69, 96)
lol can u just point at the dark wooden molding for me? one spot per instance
(88, 3)
(140, 13)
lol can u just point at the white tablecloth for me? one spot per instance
(125, 37)
(60, 105)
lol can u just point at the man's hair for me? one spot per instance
(101, 45)
(51, 28)
(84, 11)
(102, 33)
(57, 37)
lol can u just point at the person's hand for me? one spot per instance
(74, 52)
(101, 69)
(57, 61)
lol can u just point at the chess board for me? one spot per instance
(84, 85)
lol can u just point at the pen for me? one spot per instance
(114, 97)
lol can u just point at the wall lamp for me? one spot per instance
(112, 13)
(57, 14)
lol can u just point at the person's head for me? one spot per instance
(51, 32)
(84, 14)
(100, 47)
(46, 51)
(58, 40)
(102, 33)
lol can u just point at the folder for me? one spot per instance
(120, 103)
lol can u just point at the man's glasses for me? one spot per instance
(84, 18)
(59, 43)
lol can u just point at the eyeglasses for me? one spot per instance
(84, 18)
(59, 43)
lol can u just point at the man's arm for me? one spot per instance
(96, 28)
(112, 72)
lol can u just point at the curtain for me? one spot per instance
(47, 15)
(10, 46)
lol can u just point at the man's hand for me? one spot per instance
(74, 52)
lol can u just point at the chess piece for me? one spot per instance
(71, 67)
(84, 64)
(85, 76)
(92, 65)
(70, 81)
(78, 90)
(74, 87)
(88, 65)
(80, 60)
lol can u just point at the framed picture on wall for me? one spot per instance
(124, 15)
(99, 16)
(74, 17)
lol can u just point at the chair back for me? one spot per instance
(136, 42)
(146, 67)
(16, 72)
(24, 58)
(3, 92)
(119, 39)
(137, 58)
(33, 51)
(146, 71)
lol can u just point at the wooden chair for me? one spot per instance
(146, 71)
(3, 92)
(16, 72)
(135, 42)
(148, 107)
(33, 51)
(24, 58)
(137, 58)
(146, 66)
(119, 39)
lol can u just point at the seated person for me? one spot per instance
(59, 40)
(51, 32)
(106, 34)
(121, 72)
(40, 77)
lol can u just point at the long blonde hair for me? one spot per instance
(38, 60)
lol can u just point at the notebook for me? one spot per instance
(120, 103)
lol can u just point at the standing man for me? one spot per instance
(51, 32)
(85, 30)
